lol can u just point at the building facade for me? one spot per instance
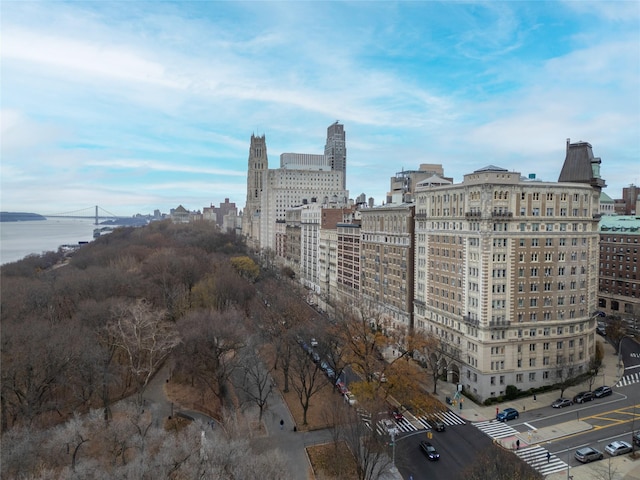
(506, 277)
(619, 292)
(386, 262)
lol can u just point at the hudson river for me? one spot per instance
(19, 239)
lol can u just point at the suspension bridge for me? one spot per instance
(96, 212)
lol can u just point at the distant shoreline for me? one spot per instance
(20, 217)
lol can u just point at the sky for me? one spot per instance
(135, 106)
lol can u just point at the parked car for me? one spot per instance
(342, 388)
(601, 329)
(588, 454)
(314, 342)
(602, 391)
(330, 372)
(429, 450)
(315, 357)
(617, 448)
(636, 438)
(507, 414)
(562, 402)
(583, 397)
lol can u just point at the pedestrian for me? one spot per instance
(281, 424)
(497, 411)
(518, 444)
(548, 457)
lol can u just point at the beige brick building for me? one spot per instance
(506, 274)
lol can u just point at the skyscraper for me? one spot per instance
(336, 150)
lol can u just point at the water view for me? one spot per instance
(19, 239)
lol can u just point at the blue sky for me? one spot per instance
(134, 106)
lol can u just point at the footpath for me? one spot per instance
(623, 466)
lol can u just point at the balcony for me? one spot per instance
(470, 321)
(421, 216)
(499, 324)
(473, 214)
(502, 214)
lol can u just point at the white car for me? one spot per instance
(389, 426)
(314, 342)
(617, 448)
(350, 398)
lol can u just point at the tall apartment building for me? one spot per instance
(271, 192)
(386, 262)
(619, 265)
(335, 150)
(348, 262)
(506, 275)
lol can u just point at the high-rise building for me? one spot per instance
(271, 192)
(336, 150)
(506, 275)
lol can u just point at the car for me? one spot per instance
(618, 448)
(315, 357)
(438, 425)
(583, 397)
(350, 398)
(342, 388)
(636, 438)
(507, 414)
(314, 342)
(602, 391)
(330, 372)
(588, 454)
(562, 402)
(389, 427)
(429, 450)
(324, 365)
(601, 329)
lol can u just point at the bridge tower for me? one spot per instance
(97, 222)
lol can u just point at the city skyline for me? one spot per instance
(142, 106)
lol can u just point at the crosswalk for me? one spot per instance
(496, 429)
(448, 418)
(628, 380)
(536, 457)
(405, 426)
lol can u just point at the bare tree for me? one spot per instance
(595, 363)
(437, 352)
(256, 379)
(369, 449)
(210, 346)
(144, 338)
(307, 380)
(565, 376)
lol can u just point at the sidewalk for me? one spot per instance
(623, 466)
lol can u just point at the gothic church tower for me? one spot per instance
(256, 179)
